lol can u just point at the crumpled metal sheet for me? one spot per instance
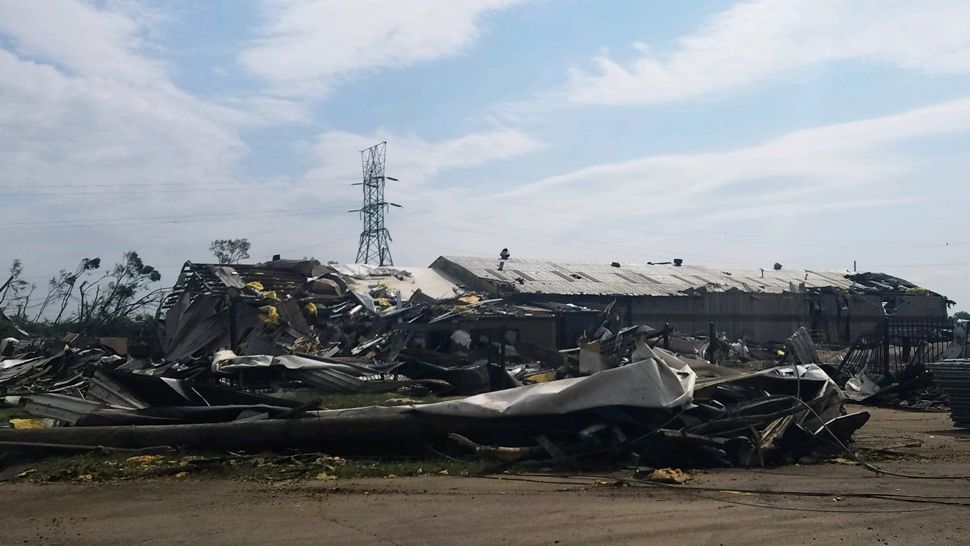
(800, 343)
(660, 380)
(12, 369)
(226, 361)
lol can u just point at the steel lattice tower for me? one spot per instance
(374, 247)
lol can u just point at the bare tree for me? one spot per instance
(61, 288)
(122, 293)
(111, 302)
(230, 251)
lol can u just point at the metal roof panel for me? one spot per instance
(585, 278)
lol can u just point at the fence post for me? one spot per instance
(885, 345)
(711, 337)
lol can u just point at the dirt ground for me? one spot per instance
(830, 503)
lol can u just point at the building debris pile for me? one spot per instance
(42, 365)
(248, 355)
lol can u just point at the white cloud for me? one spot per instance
(430, 185)
(800, 170)
(98, 106)
(729, 207)
(83, 102)
(816, 198)
(310, 45)
(754, 41)
(86, 111)
(412, 159)
(87, 120)
(80, 38)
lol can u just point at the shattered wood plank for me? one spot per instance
(498, 453)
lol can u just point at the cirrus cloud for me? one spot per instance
(764, 39)
(308, 46)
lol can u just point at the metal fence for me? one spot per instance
(900, 348)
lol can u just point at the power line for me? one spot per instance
(230, 183)
(308, 247)
(203, 218)
(600, 246)
(111, 135)
(166, 184)
(754, 238)
(155, 191)
(951, 264)
(575, 241)
(661, 229)
(720, 235)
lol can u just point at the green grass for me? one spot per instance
(13, 413)
(106, 467)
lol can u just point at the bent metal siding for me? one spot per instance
(759, 317)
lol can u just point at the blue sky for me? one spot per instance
(807, 133)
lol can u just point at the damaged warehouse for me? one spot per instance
(756, 305)
(195, 314)
(249, 353)
(254, 363)
(484, 272)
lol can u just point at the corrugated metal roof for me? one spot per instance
(579, 278)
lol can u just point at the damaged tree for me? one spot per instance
(61, 288)
(12, 292)
(230, 251)
(75, 301)
(126, 294)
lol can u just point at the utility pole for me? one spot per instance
(374, 239)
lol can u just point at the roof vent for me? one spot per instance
(777, 266)
(678, 262)
(615, 264)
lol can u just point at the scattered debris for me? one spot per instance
(888, 365)
(668, 475)
(249, 354)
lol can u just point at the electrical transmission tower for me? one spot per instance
(374, 239)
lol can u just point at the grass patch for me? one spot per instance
(106, 467)
(13, 413)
